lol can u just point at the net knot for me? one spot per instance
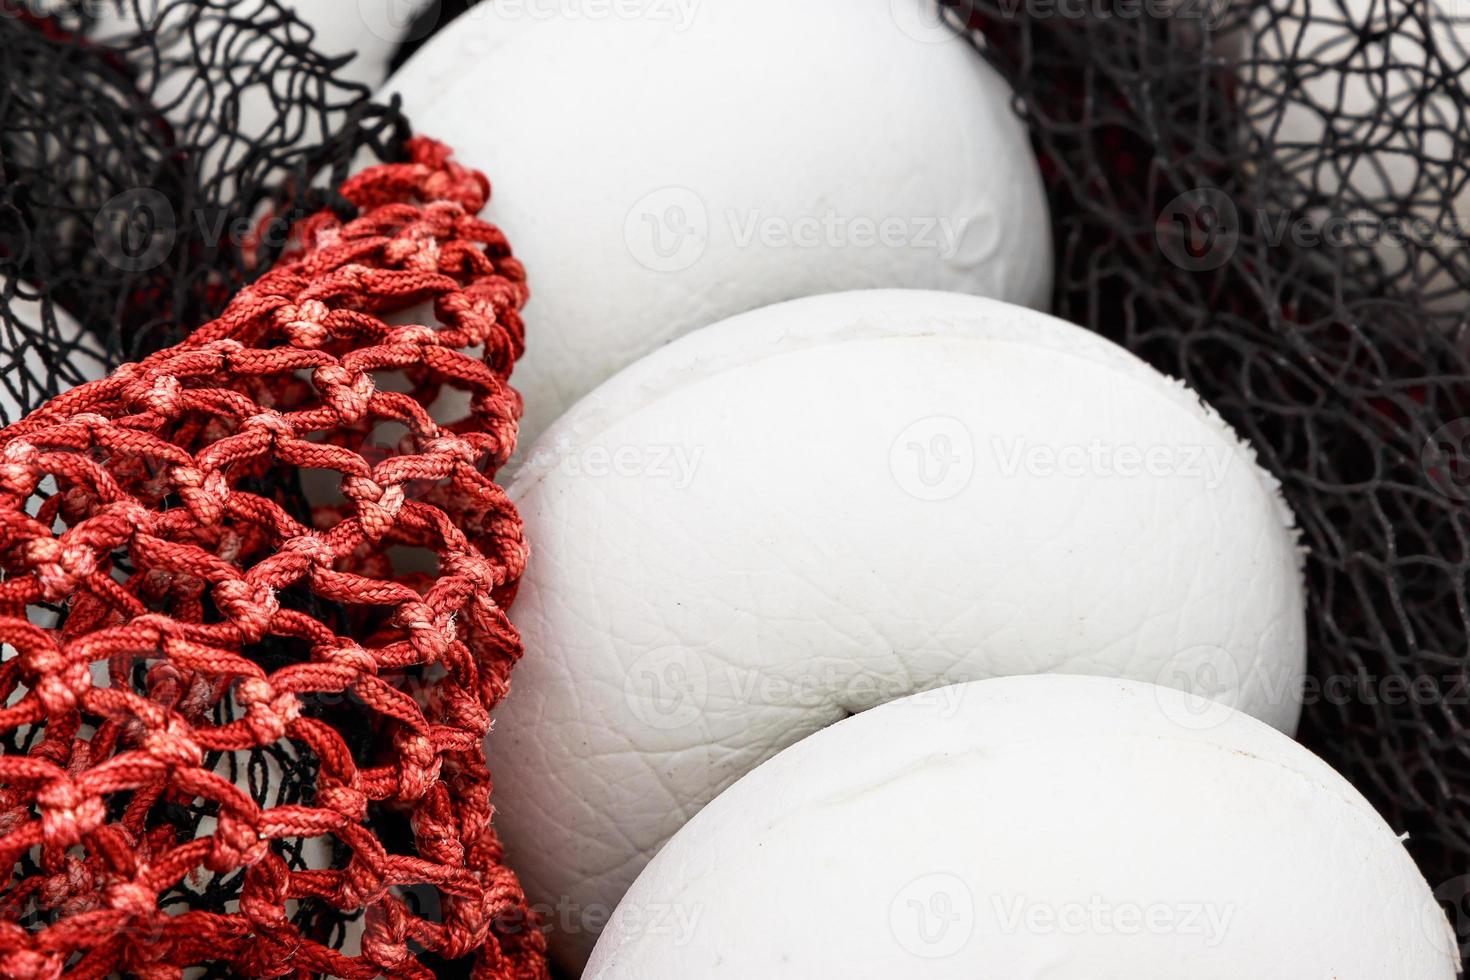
(132, 897)
(18, 475)
(453, 446)
(417, 334)
(363, 883)
(163, 396)
(60, 565)
(69, 888)
(377, 506)
(311, 547)
(267, 713)
(419, 252)
(452, 182)
(419, 765)
(174, 746)
(272, 422)
(349, 802)
(68, 812)
(59, 681)
(351, 656)
(305, 325)
(205, 494)
(236, 844)
(348, 392)
(250, 607)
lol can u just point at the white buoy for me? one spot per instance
(661, 166)
(1046, 828)
(822, 505)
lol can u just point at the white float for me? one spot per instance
(660, 166)
(1034, 828)
(819, 506)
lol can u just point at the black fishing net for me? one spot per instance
(1264, 199)
(153, 154)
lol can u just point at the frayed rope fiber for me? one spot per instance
(147, 517)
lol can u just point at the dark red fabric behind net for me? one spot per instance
(159, 510)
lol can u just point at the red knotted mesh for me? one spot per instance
(243, 700)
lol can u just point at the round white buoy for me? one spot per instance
(1051, 828)
(659, 167)
(822, 505)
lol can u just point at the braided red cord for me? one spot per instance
(172, 541)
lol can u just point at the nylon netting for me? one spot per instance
(1222, 179)
(1262, 199)
(235, 730)
(153, 155)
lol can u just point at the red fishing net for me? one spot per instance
(235, 731)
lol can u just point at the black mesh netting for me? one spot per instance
(1263, 199)
(153, 154)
